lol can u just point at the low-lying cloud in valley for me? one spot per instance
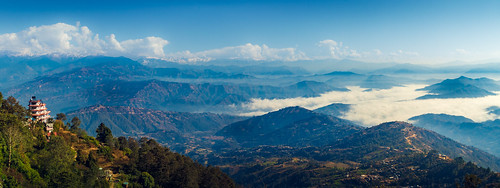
(373, 107)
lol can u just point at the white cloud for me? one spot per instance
(377, 106)
(76, 40)
(337, 50)
(332, 49)
(148, 47)
(244, 52)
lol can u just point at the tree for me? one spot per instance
(147, 180)
(61, 116)
(1, 99)
(12, 106)
(122, 143)
(92, 174)
(56, 163)
(75, 127)
(10, 125)
(57, 125)
(13, 138)
(75, 123)
(104, 134)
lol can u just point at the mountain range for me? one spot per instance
(390, 154)
(121, 81)
(289, 147)
(292, 126)
(299, 127)
(462, 87)
(347, 78)
(483, 135)
(289, 143)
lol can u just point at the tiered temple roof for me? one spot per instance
(38, 110)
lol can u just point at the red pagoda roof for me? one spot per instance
(34, 115)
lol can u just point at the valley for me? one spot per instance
(208, 114)
(250, 94)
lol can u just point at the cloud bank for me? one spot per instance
(76, 40)
(377, 106)
(245, 52)
(337, 50)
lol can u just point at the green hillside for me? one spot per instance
(68, 157)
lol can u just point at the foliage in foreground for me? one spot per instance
(29, 157)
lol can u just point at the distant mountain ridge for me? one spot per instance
(483, 135)
(15, 69)
(163, 95)
(334, 109)
(380, 82)
(195, 74)
(121, 81)
(462, 87)
(341, 73)
(345, 78)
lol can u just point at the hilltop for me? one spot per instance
(404, 136)
(334, 109)
(462, 87)
(294, 126)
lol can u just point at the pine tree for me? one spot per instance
(75, 123)
(104, 134)
(61, 116)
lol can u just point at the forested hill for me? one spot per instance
(291, 126)
(393, 154)
(177, 130)
(68, 157)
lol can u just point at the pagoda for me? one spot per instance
(38, 110)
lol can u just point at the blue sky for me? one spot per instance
(372, 30)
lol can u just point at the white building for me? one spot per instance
(38, 110)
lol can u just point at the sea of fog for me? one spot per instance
(372, 107)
